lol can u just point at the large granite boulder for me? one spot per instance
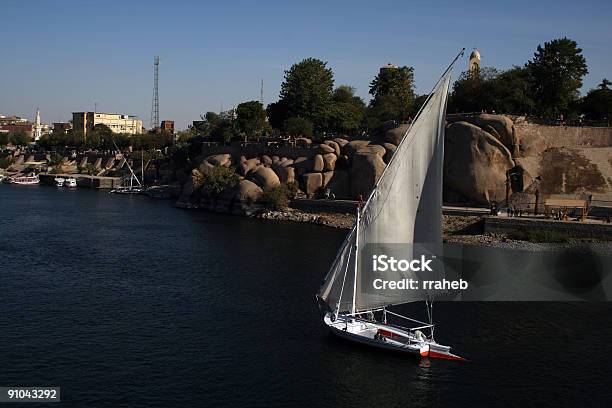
(224, 159)
(373, 148)
(285, 174)
(333, 145)
(247, 166)
(324, 149)
(312, 183)
(366, 169)
(318, 164)
(264, 177)
(266, 160)
(395, 135)
(327, 176)
(286, 162)
(239, 200)
(390, 149)
(339, 183)
(352, 147)
(303, 141)
(499, 126)
(475, 165)
(205, 167)
(329, 161)
(341, 141)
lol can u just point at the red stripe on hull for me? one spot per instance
(444, 356)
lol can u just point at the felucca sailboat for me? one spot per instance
(403, 217)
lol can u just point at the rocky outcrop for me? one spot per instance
(499, 126)
(329, 161)
(352, 147)
(475, 165)
(395, 135)
(220, 160)
(264, 177)
(312, 183)
(366, 169)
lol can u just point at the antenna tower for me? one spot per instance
(155, 105)
(261, 93)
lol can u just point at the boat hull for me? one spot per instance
(386, 337)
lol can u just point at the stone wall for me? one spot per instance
(534, 139)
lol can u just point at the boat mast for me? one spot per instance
(142, 166)
(356, 258)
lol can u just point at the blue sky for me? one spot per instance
(65, 56)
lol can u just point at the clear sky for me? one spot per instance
(64, 56)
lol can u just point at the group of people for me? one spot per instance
(515, 212)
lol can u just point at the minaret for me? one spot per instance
(37, 126)
(474, 64)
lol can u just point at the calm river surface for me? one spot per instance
(127, 301)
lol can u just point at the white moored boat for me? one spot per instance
(70, 182)
(25, 180)
(403, 211)
(59, 181)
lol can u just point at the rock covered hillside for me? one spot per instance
(482, 160)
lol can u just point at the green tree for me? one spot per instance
(347, 111)
(4, 139)
(250, 119)
(597, 104)
(307, 91)
(19, 138)
(296, 127)
(512, 92)
(277, 114)
(393, 95)
(557, 70)
(472, 92)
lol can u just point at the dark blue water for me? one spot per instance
(126, 301)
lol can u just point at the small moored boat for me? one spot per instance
(59, 181)
(70, 182)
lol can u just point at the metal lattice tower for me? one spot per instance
(261, 100)
(155, 105)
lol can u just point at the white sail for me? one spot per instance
(404, 209)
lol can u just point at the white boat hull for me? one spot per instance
(387, 337)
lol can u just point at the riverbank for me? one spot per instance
(456, 229)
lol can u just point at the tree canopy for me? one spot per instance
(393, 95)
(307, 92)
(250, 119)
(347, 111)
(597, 104)
(557, 69)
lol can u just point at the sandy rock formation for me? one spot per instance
(220, 160)
(352, 147)
(390, 149)
(366, 169)
(318, 163)
(333, 145)
(329, 161)
(395, 135)
(247, 166)
(312, 183)
(475, 165)
(264, 177)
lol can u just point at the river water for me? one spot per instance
(127, 301)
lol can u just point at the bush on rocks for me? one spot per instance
(277, 198)
(218, 179)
